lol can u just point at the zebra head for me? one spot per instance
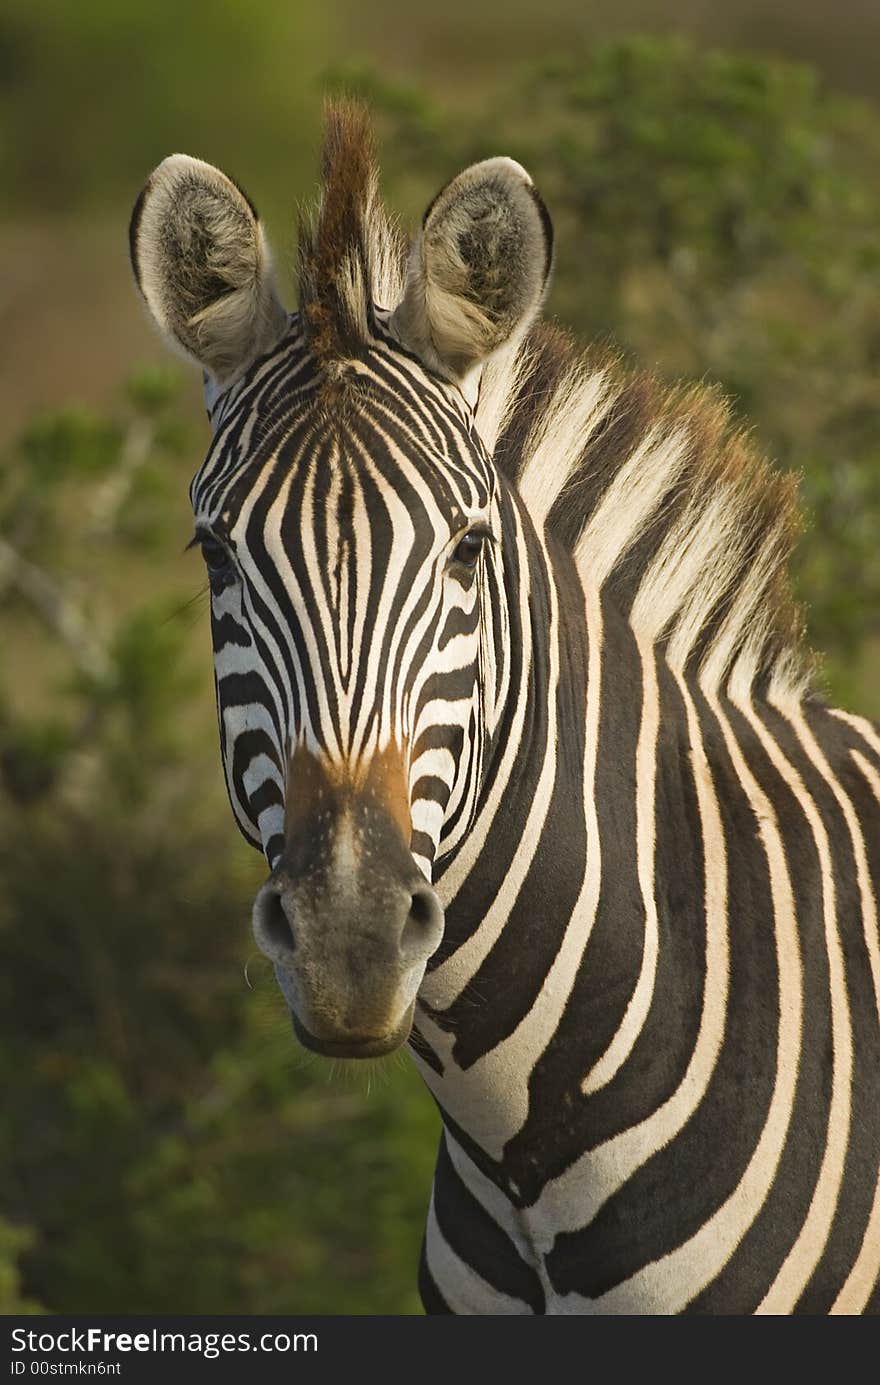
(349, 516)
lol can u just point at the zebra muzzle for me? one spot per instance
(348, 921)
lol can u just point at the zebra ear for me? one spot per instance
(202, 263)
(478, 269)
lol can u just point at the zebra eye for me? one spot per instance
(218, 562)
(469, 548)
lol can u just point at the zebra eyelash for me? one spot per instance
(222, 574)
(204, 535)
(477, 527)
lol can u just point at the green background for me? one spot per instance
(712, 173)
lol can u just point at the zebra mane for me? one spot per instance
(660, 499)
(662, 502)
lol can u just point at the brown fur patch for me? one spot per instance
(344, 245)
(319, 787)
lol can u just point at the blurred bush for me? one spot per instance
(93, 95)
(164, 1145)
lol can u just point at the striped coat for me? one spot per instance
(513, 696)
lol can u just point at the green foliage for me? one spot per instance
(93, 95)
(153, 390)
(65, 441)
(14, 1240)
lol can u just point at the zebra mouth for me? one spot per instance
(354, 1045)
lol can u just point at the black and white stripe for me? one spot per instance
(680, 1111)
(336, 629)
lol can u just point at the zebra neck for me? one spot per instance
(553, 850)
(540, 647)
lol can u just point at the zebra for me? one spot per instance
(515, 698)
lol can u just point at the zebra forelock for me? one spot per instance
(351, 253)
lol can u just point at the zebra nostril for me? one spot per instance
(272, 927)
(423, 928)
